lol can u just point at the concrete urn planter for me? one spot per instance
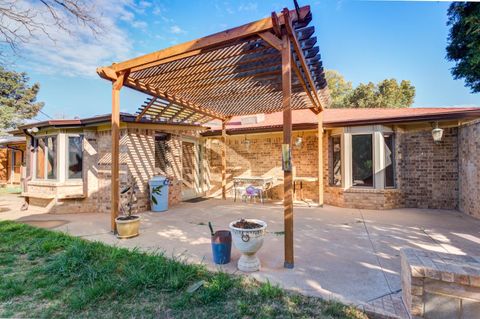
(248, 242)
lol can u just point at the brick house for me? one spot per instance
(68, 162)
(12, 149)
(373, 158)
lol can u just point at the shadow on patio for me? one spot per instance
(348, 254)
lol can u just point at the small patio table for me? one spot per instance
(263, 182)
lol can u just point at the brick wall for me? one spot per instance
(261, 155)
(137, 165)
(3, 166)
(428, 172)
(469, 169)
(427, 175)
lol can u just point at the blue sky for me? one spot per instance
(364, 40)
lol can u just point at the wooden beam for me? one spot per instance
(115, 159)
(145, 109)
(107, 73)
(304, 85)
(231, 35)
(224, 159)
(276, 25)
(301, 57)
(320, 159)
(271, 39)
(145, 88)
(287, 139)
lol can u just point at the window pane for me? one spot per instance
(51, 143)
(40, 162)
(335, 155)
(362, 160)
(75, 156)
(389, 160)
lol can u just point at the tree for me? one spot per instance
(464, 42)
(386, 94)
(17, 99)
(22, 20)
(340, 89)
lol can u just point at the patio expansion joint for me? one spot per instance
(422, 229)
(376, 255)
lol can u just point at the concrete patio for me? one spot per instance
(348, 254)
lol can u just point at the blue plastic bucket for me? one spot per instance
(221, 247)
(159, 193)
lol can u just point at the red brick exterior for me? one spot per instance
(469, 169)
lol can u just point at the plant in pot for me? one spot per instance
(247, 235)
(128, 224)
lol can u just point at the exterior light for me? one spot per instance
(247, 143)
(33, 130)
(298, 142)
(437, 133)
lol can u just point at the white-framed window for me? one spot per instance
(58, 157)
(389, 141)
(335, 169)
(45, 157)
(74, 154)
(362, 157)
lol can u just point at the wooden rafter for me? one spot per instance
(223, 37)
(298, 50)
(145, 109)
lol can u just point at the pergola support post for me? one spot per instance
(115, 167)
(224, 159)
(320, 159)
(287, 139)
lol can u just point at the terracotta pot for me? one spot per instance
(127, 228)
(248, 242)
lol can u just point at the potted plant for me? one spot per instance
(247, 235)
(128, 224)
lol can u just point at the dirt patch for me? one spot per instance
(245, 224)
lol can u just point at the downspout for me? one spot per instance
(30, 164)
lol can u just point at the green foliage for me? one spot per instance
(464, 42)
(48, 274)
(156, 191)
(269, 291)
(386, 94)
(17, 99)
(340, 90)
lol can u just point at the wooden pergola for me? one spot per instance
(265, 66)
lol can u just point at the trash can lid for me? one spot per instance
(158, 178)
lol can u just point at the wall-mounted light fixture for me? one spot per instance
(33, 130)
(299, 141)
(437, 133)
(247, 143)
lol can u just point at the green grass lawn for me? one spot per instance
(50, 274)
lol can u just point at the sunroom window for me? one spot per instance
(46, 157)
(362, 160)
(336, 158)
(75, 156)
(389, 160)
